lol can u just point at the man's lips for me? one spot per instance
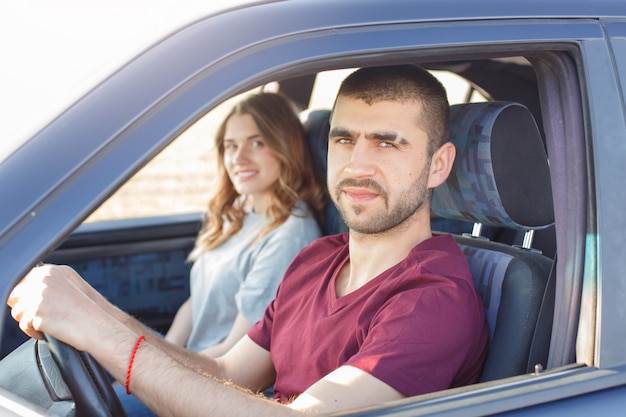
(359, 194)
(360, 190)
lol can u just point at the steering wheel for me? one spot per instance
(91, 389)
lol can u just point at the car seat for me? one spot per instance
(316, 125)
(501, 178)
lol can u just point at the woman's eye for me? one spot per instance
(257, 144)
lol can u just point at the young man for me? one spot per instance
(383, 312)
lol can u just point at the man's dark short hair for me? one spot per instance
(404, 83)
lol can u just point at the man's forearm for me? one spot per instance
(192, 360)
(160, 374)
(170, 389)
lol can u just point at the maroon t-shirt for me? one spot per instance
(419, 326)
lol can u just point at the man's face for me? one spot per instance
(378, 167)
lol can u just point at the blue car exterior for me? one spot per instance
(56, 178)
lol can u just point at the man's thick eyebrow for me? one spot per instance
(381, 136)
(387, 137)
(339, 131)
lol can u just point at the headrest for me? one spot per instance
(500, 175)
(317, 125)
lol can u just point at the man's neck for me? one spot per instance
(372, 254)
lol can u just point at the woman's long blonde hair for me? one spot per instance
(282, 132)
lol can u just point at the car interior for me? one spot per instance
(497, 203)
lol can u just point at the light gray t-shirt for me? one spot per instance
(240, 277)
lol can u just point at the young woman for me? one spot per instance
(266, 207)
(264, 211)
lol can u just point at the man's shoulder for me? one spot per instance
(441, 240)
(439, 247)
(440, 256)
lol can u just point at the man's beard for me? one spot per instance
(407, 204)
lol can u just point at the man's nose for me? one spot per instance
(361, 162)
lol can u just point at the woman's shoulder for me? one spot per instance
(301, 209)
(301, 218)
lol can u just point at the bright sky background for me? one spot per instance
(52, 50)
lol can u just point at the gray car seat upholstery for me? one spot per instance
(317, 124)
(501, 178)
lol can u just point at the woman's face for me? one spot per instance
(252, 167)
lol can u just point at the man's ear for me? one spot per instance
(441, 164)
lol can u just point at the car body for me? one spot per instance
(564, 60)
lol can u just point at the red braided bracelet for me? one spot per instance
(130, 362)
